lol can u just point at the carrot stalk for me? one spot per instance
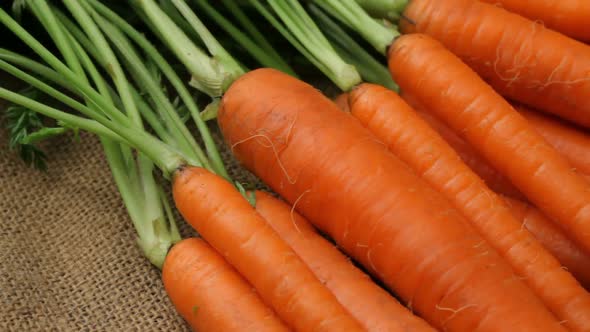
(411, 139)
(339, 177)
(521, 59)
(370, 69)
(209, 76)
(210, 295)
(353, 16)
(388, 9)
(292, 21)
(372, 306)
(266, 56)
(173, 78)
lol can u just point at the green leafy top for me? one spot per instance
(25, 128)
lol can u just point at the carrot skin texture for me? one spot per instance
(572, 143)
(371, 305)
(342, 179)
(411, 139)
(544, 229)
(210, 295)
(494, 180)
(569, 17)
(489, 123)
(520, 58)
(230, 224)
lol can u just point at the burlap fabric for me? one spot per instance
(68, 257)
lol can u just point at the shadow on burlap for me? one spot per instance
(68, 256)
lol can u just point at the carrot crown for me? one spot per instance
(212, 73)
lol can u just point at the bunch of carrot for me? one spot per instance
(463, 206)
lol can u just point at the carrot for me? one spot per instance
(493, 179)
(231, 225)
(545, 230)
(210, 295)
(489, 123)
(520, 58)
(337, 175)
(411, 139)
(571, 142)
(569, 17)
(367, 302)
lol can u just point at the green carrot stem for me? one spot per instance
(208, 74)
(173, 228)
(135, 182)
(139, 181)
(168, 7)
(170, 73)
(388, 9)
(370, 69)
(144, 79)
(352, 15)
(61, 68)
(251, 29)
(79, 38)
(218, 52)
(265, 58)
(114, 68)
(303, 34)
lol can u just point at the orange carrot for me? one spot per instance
(231, 225)
(367, 302)
(336, 174)
(489, 123)
(571, 142)
(411, 139)
(545, 230)
(569, 17)
(493, 179)
(210, 295)
(520, 58)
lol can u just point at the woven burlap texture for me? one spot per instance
(68, 256)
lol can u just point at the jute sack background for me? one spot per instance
(68, 256)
